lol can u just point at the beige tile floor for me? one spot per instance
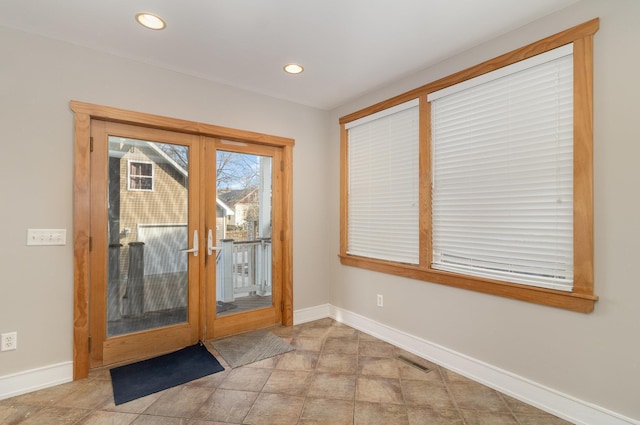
(337, 375)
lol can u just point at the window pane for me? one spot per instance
(147, 272)
(140, 175)
(243, 231)
(502, 199)
(383, 187)
(143, 169)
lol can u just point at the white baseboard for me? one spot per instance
(35, 379)
(310, 314)
(562, 405)
(552, 401)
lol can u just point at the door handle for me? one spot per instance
(195, 245)
(210, 247)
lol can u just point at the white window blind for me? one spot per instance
(502, 163)
(383, 185)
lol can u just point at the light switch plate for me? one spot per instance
(46, 236)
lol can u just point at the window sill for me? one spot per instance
(573, 301)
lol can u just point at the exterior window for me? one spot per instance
(498, 172)
(140, 176)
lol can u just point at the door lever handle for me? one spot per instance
(210, 247)
(194, 250)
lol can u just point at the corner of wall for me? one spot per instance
(530, 392)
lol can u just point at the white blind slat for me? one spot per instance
(513, 69)
(502, 198)
(383, 185)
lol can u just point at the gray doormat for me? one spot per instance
(250, 347)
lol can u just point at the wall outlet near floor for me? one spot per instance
(380, 300)
(8, 341)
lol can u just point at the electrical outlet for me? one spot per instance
(9, 341)
(380, 300)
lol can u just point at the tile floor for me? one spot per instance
(337, 375)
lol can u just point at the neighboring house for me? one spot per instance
(150, 182)
(149, 205)
(244, 203)
(223, 214)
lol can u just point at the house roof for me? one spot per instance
(225, 207)
(235, 196)
(181, 170)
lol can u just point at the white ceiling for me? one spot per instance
(348, 47)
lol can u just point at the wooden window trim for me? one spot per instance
(84, 114)
(581, 298)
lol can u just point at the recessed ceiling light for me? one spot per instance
(293, 68)
(151, 21)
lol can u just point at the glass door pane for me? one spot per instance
(243, 232)
(148, 215)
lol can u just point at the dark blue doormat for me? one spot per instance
(146, 377)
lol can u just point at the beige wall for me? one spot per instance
(592, 357)
(38, 78)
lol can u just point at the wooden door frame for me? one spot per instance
(84, 113)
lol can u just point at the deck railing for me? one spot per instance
(243, 268)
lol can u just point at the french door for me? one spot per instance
(145, 277)
(243, 194)
(186, 239)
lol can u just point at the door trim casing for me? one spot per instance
(84, 113)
